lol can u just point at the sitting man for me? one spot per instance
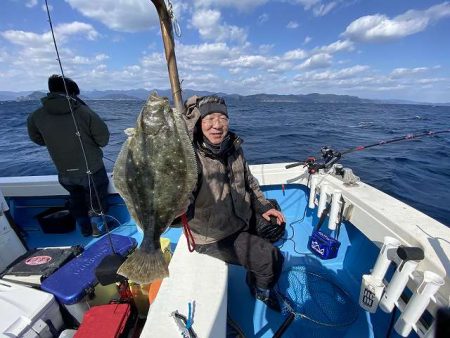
(225, 198)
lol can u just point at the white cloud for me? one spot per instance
(318, 7)
(404, 72)
(324, 9)
(62, 33)
(292, 25)
(337, 46)
(295, 54)
(208, 23)
(31, 3)
(123, 16)
(243, 5)
(379, 27)
(263, 18)
(307, 4)
(83, 60)
(307, 40)
(321, 60)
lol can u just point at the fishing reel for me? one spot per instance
(329, 156)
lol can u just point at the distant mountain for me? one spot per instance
(120, 97)
(12, 96)
(309, 98)
(31, 97)
(142, 94)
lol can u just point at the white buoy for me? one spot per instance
(397, 285)
(312, 191)
(334, 210)
(418, 303)
(322, 199)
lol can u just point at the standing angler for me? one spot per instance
(155, 173)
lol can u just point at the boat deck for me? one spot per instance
(356, 256)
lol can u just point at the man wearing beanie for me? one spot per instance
(225, 198)
(52, 126)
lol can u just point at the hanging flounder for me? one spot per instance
(155, 173)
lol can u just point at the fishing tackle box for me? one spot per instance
(37, 264)
(106, 321)
(75, 282)
(27, 312)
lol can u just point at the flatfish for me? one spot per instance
(155, 173)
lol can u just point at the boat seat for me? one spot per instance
(195, 278)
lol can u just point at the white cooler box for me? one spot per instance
(28, 313)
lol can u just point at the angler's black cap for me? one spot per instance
(212, 104)
(56, 85)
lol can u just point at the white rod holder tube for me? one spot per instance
(334, 210)
(397, 284)
(382, 263)
(312, 191)
(322, 199)
(418, 303)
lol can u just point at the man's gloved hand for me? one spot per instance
(272, 224)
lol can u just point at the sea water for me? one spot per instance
(415, 171)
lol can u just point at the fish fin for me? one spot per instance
(144, 267)
(130, 131)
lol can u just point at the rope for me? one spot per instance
(175, 26)
(187, 232)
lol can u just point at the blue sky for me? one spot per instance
(381, 49)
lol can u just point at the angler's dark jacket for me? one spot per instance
(52, 126)
(226, 190)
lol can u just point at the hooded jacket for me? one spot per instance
(52, 126)
(226, 192)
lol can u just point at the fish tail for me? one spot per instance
(144, 267)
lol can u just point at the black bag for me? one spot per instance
(272, 231)
(56, 220)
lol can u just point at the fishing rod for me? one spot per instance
(165, 18)
(331, 156)
(78, 134)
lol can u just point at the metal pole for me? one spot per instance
(169, 49)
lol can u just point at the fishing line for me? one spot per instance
(77, 133)
(291, 225)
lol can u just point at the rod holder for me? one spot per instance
(411, 256)
(334, 210)
(372, 285)
(322, 199)
(396, 286)
(383, 261)
(418, 303)
(312, 191)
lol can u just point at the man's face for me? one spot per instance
(215, 127)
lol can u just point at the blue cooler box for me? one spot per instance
(74, 280)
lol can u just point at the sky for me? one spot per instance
(384, 49)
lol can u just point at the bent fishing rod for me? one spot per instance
(78, 134)
(331, 156)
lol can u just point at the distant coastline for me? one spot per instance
(142, 94)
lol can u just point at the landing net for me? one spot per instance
(313, 296)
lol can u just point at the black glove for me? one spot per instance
(272, 231)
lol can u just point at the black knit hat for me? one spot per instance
(56, 85)
(212, 104)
